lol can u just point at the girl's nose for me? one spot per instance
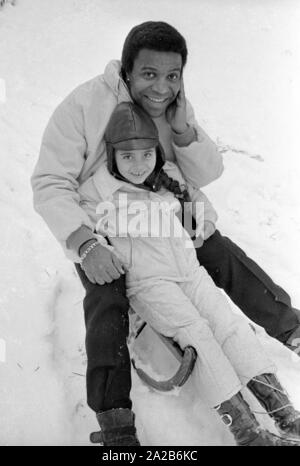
(140, 161)
(139, 166)
(137, 163)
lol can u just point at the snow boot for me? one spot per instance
(237, 415)
(267, 389)
(117, 428)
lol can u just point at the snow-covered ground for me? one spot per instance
(243, 79)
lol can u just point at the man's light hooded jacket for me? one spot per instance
(73, 149)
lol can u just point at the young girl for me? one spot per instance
(136, 200)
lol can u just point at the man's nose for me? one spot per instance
(160, 86)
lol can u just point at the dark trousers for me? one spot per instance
(248, 286)
(108, 376)
(106, 317)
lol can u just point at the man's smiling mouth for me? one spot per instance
(156, 100)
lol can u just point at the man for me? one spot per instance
(153, 59)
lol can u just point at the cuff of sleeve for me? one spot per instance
(211, 232)
(212, 223)
(186, 138)
(200, 230)
(78, 237)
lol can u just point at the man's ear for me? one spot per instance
(126, 76)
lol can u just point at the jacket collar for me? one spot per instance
(115, 82)
(107, 185)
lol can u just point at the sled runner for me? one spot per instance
(186, 358)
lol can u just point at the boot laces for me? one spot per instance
(283, 392)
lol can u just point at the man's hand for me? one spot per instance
(208, 229)
(101, 265)
(176, 112)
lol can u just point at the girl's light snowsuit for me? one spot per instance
(167, 287)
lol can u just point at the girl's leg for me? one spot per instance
(164, 306)
(242, 348)
(167, 309)
(233, 333)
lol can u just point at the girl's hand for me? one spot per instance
(176, 112)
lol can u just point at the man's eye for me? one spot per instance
(173, 77)
(149, 75)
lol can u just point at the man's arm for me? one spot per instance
(54, 181)
(196, 154)
(201, 208)
(203, 212)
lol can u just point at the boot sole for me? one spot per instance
(288, 436)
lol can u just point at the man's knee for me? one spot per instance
(219, 245)
(107, 296)
(107, 305)
(212, 248)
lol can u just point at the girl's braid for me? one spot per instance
(180, 191)
(182, 194)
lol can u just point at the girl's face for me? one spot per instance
(136, 164)
(155, 80)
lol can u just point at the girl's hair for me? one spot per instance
(182, 194)
(180, 191)
(152, 35)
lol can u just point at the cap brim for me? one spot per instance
(132, 144)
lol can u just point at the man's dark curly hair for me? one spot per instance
(152, 35)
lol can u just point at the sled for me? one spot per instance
(186, 358)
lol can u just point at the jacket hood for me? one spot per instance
(112, 77)
(131, 128)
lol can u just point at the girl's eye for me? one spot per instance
(127, 157)
(148, 155)
(173, 77)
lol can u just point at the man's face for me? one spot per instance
(155, 80)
